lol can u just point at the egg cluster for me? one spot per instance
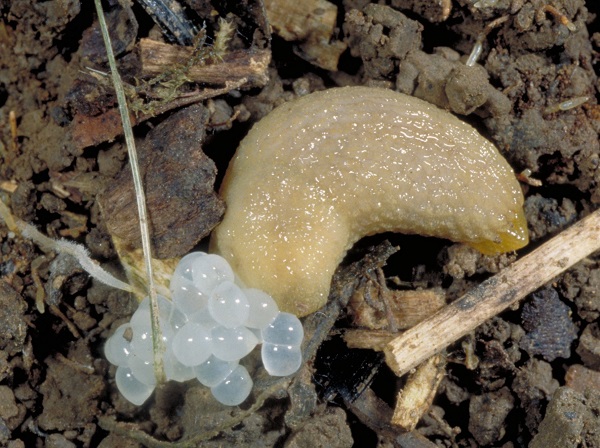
(210, 324)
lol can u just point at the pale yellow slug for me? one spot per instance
(319, 173)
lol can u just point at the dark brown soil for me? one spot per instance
(529, 377)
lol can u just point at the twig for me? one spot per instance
(157, 341)
(415, 398)
(368, 339)
(84, 368)
(70, 325)
(156, 57)
(373, 412)
(40, 293)
(494, 295)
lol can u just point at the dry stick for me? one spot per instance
(156, 57)
(494, 295)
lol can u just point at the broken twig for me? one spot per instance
(415, 398)
(156, 57)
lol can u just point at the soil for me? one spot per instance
(529, 377)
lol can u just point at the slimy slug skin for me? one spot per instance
(319, 173)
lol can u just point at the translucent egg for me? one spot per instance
(169, 318)
(118, 348)
(285, 329)
(141, 342)
(232, 344)
(166, 311)
(186, 296)
(228, 305)
(142, 370)
(174, 370)
(141, 316)
(188, 299)
(209, 271)
(204, 318)
(177, 319)
(281, 360)
(235, 388)
(132, 389)
(263, 308)
(214, 370)
(256, 332)
(185, 268)
(192, 345)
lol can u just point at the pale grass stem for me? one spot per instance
(140, 196)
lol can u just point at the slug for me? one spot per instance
(320, 172)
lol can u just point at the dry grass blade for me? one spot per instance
(139, 191)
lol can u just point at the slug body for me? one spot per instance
(319, 173)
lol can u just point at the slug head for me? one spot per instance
(515, 237)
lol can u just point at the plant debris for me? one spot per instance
(182, 204)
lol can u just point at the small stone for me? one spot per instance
(16, 444)
(83, 320)
(563, 422)
(534, 385)
(466, 88)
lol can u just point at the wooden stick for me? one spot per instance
(494, 295)
(251, 64)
